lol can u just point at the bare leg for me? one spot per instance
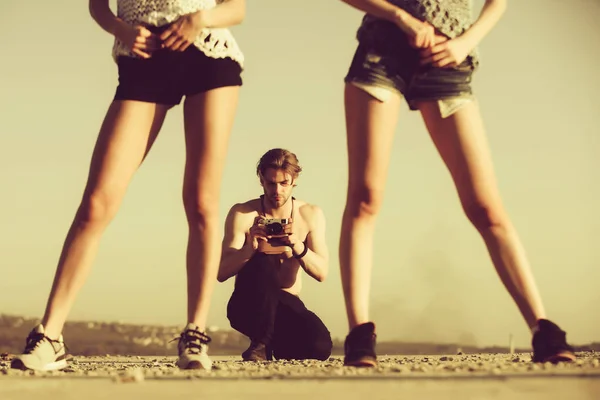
(462, 144)
(127, 134)
(370, 128)
(208, 122)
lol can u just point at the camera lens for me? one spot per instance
(275, 229)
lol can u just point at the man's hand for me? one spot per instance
(257, 232)
(138, 39)
(290, 240)
(448, 54)
(183, 31)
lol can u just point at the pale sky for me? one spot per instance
(538, 86)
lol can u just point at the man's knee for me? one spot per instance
(322, 343)
(322, 348)
(234, 312)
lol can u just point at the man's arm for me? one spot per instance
(316, 260)
(236, 250)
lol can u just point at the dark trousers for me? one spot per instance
(259, 309)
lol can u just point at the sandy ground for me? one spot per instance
(475, 376)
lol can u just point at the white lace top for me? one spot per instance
(214, 42)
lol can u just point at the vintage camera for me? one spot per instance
(274, 226)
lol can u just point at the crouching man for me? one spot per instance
(269, 242)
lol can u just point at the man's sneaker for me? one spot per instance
(257, 352)
(359, 347)
(550, 344)
(193, 348)
(41, 353)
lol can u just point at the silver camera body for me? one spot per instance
(274, 226)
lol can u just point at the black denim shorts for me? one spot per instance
(385, 59)
(169, 75)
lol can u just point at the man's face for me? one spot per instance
(277, 185)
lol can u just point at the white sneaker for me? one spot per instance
(193, 347)
(41, 353)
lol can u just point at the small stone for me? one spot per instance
(130, 376)
(534, 367)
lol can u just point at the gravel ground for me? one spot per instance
(463, 377)
(135, 369)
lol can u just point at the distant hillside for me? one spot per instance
(100, 338)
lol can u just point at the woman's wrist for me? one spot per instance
(202, 19)
(116, 26)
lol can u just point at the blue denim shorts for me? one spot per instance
(384, 59)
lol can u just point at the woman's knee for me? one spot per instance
(97, 209)
(486, 216)
(364, 201)
(201, 209)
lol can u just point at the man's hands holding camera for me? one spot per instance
(263, 238)
(256, 234)
(287, 238)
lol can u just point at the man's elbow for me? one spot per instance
(323, 275)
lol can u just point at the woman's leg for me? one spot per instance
(127, 134)
(209, 118)
(462, 144)
(370, 126)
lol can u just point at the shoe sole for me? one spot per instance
(362, 363)
(194, 365)
(565, 356)
(54, 366)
